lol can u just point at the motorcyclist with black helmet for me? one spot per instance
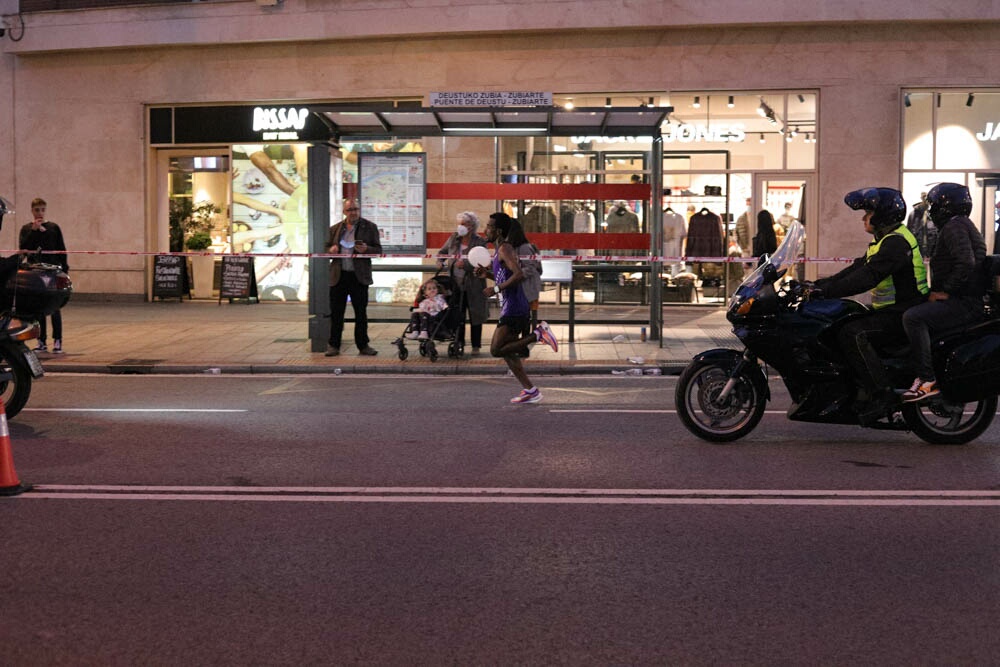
(956, 296)
(893, 271)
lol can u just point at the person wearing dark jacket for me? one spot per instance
(957, 289)
(351, 275)
(893, 271)
(44, 235)
(456, 249)
(766, 241)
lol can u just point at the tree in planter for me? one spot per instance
(190, 224)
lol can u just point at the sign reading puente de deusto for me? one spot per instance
(485, 98)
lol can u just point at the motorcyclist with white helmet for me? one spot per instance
(893, 271)
(956, 296)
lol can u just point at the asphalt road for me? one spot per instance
(379, 520)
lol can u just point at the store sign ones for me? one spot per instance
(276, 122)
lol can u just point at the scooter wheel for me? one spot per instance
(403, 353)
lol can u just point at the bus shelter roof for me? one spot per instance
(367, 122)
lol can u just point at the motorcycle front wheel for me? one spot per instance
(15, 380)
(940, 422)
(719, 420)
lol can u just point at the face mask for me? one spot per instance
(462, 230)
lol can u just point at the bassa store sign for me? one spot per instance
(235, 124)
(275, 122)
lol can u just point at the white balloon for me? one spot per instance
(479, 256)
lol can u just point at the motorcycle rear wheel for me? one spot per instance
(15, 381)
(941, 423)
(703, 414)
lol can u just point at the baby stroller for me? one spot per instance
(446, 326)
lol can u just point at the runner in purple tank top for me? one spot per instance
(512, 336)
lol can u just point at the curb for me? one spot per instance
(671, 367)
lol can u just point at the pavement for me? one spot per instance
(172, 337)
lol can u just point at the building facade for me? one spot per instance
(887, 83)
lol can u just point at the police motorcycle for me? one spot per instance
(32, 291)
(722, 394)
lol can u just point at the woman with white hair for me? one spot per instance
(474, 303)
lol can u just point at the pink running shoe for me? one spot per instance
(543, 332)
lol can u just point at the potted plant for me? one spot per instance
(190, 225)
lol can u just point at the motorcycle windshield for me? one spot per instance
(783, 259)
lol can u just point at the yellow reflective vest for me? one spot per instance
(884, 294)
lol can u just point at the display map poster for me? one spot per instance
(392, 188)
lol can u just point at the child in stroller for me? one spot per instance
(435, 315)
(428, 313)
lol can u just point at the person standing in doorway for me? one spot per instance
(351, 276)
(44, 235)
(511, 338)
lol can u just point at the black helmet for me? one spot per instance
(886, 205)
(948, 200)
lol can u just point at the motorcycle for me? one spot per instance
(33, 291)
(722, 393)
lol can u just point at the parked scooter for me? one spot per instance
(722, 393)
(30, 291)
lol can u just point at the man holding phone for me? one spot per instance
(351, 275)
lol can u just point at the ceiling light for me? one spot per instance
(761, 137)
(906, 99)
(607, 102)
(730, 103)
(970, 99)
(795, 131)
(569, 105)
(651, 103)
(697, 102)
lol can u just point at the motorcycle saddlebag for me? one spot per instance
(969, 362)
(36, 290)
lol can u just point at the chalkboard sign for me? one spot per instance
(238, 279)
(169, 276)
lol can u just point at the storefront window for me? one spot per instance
(953, 135)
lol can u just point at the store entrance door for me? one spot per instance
(193, 207)
(989, 206)
(790, 196)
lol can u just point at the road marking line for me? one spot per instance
(129, 410)
(465, 495)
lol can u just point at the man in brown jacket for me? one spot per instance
(351, 275)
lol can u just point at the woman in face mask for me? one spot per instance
(456, 261)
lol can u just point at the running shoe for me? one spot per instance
(920, 390)
(543, 332)
(528, 396)
(411, 335)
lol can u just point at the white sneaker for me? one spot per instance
(412, 335)
(57, 347)
(423, 335)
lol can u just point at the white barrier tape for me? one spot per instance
(564, 258)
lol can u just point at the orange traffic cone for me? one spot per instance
(10, 485)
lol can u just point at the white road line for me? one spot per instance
(464, 495)
(658, 412)
(129, 410)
